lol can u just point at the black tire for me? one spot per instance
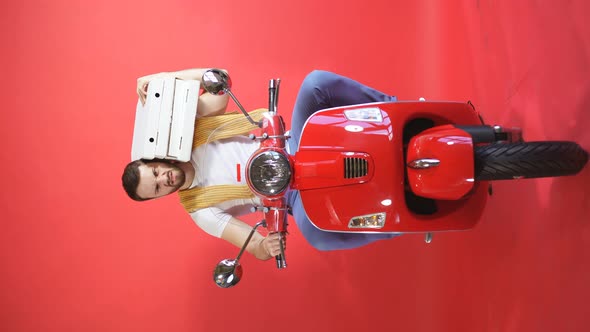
(528, 160)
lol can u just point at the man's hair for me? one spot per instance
(131, 179)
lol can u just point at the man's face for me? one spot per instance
(157, 179)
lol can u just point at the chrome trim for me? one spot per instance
(267, 136)
(424, 163)
(259, 181)
(513, 135)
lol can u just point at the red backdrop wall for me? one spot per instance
(77, 255)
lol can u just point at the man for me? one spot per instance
(213, 165)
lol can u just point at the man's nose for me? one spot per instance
(162, 178)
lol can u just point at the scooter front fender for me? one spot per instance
(440, 163)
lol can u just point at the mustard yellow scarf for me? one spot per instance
(209, 129)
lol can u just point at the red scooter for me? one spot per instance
(400, 167)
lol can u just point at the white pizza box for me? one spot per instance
(164, 126)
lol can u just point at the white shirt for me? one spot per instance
(217, 163)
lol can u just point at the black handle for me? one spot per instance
(273, 95)
(279, 259)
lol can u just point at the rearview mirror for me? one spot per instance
(227, 273)
(216, 82)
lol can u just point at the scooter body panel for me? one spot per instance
(332, 207)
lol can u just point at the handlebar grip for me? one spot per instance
(273, 95)
(279, 259)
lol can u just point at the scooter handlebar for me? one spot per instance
(281, 261)
(273, 95)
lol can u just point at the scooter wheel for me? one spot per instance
(528, 160)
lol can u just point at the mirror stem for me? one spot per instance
(261, 223)
(228, 91)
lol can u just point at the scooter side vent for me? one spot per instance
(355, 168)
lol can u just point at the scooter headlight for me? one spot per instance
(270, 173)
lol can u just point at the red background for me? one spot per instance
(78, 255)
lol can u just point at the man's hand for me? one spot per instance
(272, 244)
(143, 82)
(236, 232)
